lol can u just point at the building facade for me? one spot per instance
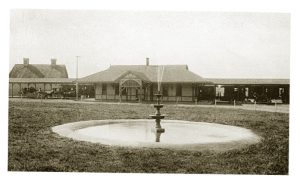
(136, 83)
(26, 79)
(141, 82)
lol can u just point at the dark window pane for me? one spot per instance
(116, 89)
(165, 90)
(104, 89)
(178, 90)
(124, 91)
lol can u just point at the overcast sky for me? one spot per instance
(213, 45)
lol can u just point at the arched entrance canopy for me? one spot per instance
(132, 80)
(131, 83)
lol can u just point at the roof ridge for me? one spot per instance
(39, 70)
(40, 64)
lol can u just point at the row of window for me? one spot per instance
(220, 91)
(165, 90)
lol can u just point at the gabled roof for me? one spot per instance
(38, 71)
(249, 81)
(171, 74)
(139, 75)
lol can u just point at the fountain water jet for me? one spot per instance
(158, 116)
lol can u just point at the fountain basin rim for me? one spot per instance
(158, 105)
(157, 116)
(68, 129)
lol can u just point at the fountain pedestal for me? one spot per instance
(158, 116)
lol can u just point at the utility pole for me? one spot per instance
(77, 87)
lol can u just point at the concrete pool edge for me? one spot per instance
(69, 130)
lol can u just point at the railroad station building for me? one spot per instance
(179, 84)
(134, 83)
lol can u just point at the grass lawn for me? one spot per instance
(34, 147)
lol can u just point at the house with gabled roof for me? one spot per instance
(141, 82)
(44, 77)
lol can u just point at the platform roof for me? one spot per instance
(41, 80)
(230, 81)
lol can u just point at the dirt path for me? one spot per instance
(282, 108)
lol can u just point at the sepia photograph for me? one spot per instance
(180, 92)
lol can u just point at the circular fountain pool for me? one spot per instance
(178, 135)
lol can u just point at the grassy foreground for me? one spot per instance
(34, 147)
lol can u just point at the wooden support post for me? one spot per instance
(145, 93)
(41, 97)
(21, 90)
(193, 92)
(167, 95)
(215, 92)
(120, 94)
(12, 89)
(77, 90)
(94, 86)
(140, 94)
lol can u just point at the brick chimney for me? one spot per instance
(26, 61)
(53, 62)
(147, 61)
